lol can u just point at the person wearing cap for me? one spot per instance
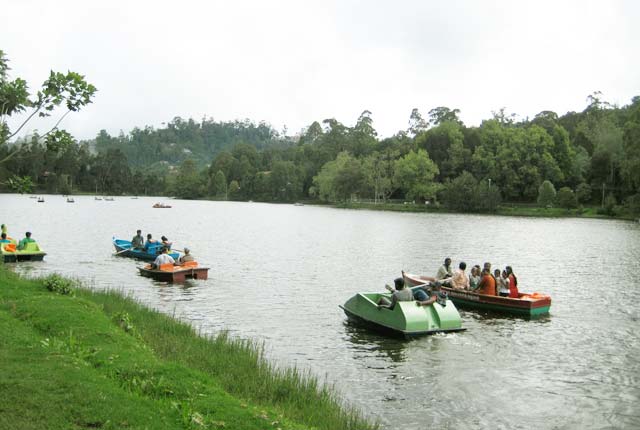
(400, 294)
(27, 239)
(186, 257)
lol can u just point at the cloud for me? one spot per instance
(291, 63)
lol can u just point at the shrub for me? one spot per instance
(58, 284)
(566, 198)
(546, 194)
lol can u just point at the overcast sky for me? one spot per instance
(290, 63)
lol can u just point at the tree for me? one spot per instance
(546, 194)
(566, 198)
(218, 185)
(20, 184)
(340, 178)
(70, 90)
(460, 193)
(416, 123)
(189, 182)
(414, 173)
(443, 114)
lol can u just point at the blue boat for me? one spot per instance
(123, 248)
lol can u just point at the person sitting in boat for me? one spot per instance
(487, 284)
(138, 241)
(3, 228)
(165, 242)
(163, 258)
(151, 245)
(27, 239)
(513, 283)
(3, 238)
(432, 294)
(445, 270)
(501, 283)
(459, 280)
(186, 257)
(474, 277)
(400, 294)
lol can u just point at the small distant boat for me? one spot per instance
(108, 199)
(406, 319)
(161, 206)
(33, 197)
(528, 305)
(70, 200)
(123, 248)
(40, 199)
(31, 252)
(298, 204)
(97, 198)
(171, 273)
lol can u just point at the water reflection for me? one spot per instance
(364, 341)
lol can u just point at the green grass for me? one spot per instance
(71, 358)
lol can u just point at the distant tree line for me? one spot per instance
(590, 157)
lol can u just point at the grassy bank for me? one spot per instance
(504, 210)
(71, 358)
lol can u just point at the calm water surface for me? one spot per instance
(279, 272)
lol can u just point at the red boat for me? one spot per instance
(171, 273)
(529, 305)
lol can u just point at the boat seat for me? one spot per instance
(31, 247)
(190, 264)
(167, 267)
(10, 247)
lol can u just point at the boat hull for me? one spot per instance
(123, 248)
(406, 319)
(177, 275)
(32, 252)
(527, 307)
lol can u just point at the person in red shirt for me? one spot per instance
(513, 283)
(487, 283)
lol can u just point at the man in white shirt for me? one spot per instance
(163, 258)
(445, 270)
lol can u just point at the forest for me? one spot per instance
(589, 158)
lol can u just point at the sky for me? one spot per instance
(289, 63)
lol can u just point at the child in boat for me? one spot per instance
(474, 277)
(502, 284)
(401, 294)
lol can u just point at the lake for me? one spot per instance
(279, 272)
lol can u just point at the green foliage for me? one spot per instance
(57, 284)
(546, 194)
(466, 194)
(583, 193)
(70, 90)
(566, 198)
(20, 184)
(414, 173)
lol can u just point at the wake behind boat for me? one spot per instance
(528, 305)
(123, 248)
(405, 319)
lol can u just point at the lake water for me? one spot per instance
(279, 272)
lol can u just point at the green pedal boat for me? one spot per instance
(31, 252)
(405, 319)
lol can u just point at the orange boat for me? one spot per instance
(528, 305)
(171, 273)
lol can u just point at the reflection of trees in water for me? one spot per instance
(365, 340)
